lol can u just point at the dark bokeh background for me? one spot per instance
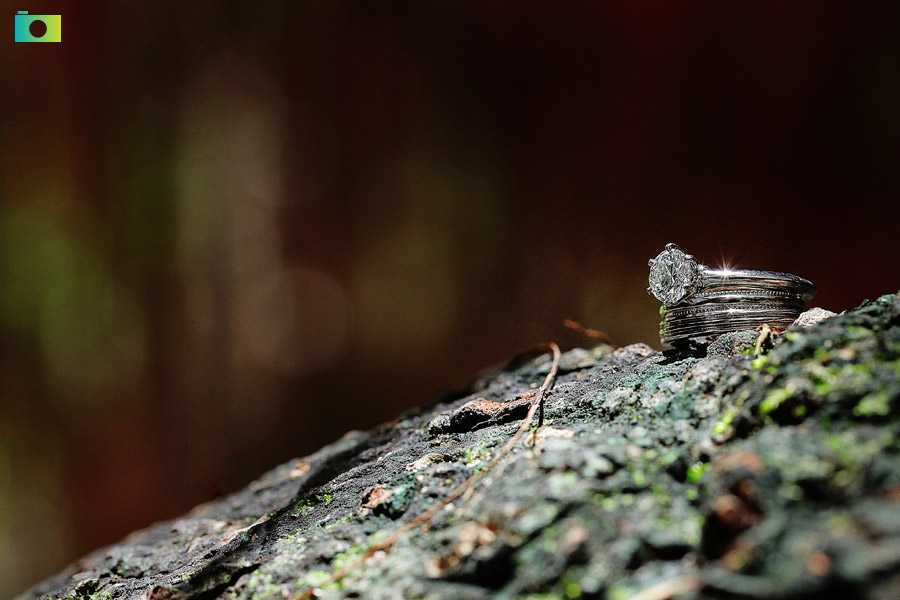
(231, 231)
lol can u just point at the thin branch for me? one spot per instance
(423, 518)
(587, 332)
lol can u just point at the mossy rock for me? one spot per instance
(726, 476)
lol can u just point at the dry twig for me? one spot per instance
(537, 401)
(766, 336)
(591, 333)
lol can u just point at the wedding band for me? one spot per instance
(703, 322)
(700, 302)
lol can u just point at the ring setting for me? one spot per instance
(701, 302)
(674, 275)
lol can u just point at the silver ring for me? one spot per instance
(677, 277)
(700, 303)
(711, 320)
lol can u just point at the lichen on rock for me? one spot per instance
(734, 475)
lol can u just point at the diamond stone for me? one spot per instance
(674, 275)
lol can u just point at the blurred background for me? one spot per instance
(231, 231)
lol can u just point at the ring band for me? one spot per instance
(748, 279)
(699, 322)
(700, 302)
(743, 295)
(676, 276)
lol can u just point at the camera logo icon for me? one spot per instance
(38, 28)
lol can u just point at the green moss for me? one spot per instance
(822, 378)
(345, 519)
(668, 458)
(895, 365)
(855, 332)
(874, 404)
(609, 504)
(724, 424)
(775, 398)
(306, 505)
(572, 590)
(476, 455)
(297, 539)
(314, 579)
(350, 556)
(822, 355)
(854, 452)
(639, 478)
(619, 592)
(95, 595)
(660, 493)
(696, 472)
(843, 446)
(263, 584)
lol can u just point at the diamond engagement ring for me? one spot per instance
(700, 302)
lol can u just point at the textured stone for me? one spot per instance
(733, 344)
(813, 316)
(728, 476)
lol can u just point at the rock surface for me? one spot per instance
(729, 476)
